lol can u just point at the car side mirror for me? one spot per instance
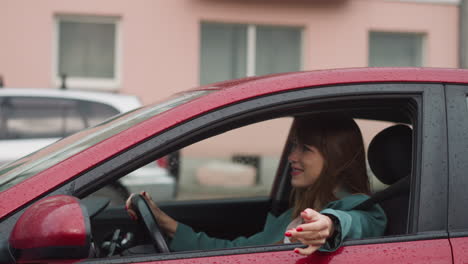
(57, 227)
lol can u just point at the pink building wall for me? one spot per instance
(160, 38)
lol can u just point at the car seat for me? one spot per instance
(390, 156)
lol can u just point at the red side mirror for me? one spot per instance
(56, 227)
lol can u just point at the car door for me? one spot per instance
(426, 239)
(457, 122)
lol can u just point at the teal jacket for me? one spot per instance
(353, 224)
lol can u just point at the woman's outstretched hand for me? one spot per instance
(167, 223)
(314, 232)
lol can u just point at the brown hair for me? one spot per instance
(339, 140)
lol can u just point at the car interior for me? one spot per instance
(390, 158)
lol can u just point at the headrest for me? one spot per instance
(390, 154)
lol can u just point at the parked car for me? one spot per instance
(34, 118)
(425, 201)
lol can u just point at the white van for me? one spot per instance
(31, 119)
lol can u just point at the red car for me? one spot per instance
(45, 216)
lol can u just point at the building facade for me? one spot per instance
(153, 48)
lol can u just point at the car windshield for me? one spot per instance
(20, 170)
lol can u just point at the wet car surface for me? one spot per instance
(432, 221)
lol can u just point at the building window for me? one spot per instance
(395, 49)
(230, 51)
(87, 52)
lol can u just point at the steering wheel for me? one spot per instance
(151, 226)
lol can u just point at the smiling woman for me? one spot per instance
(306, 165)
(328, 175)
(327, 165)
(328, 159)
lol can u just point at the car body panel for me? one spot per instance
(419, 252)
(457, 118)
(460, 249)
(432, 161)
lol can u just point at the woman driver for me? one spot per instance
(329, 178)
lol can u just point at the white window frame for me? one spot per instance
(251, 50)
(106, 84)
(252, 47)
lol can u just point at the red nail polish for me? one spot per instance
(299, 229)
(287, 234)
(144, 193)
(126, 207)
(296, 251)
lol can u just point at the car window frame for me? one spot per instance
(429, 107)
(225, 113)
(457, 125)
(422, 232)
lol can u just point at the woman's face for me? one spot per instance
(306, 165)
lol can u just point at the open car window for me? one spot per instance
(216, 168)
(212, 169)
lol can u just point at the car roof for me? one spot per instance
(122, 102)
(344, 76)
(232, 91)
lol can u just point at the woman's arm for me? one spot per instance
(314, 232)
(185, 238)
(345, 222)
(167, 223)
(356, 224)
